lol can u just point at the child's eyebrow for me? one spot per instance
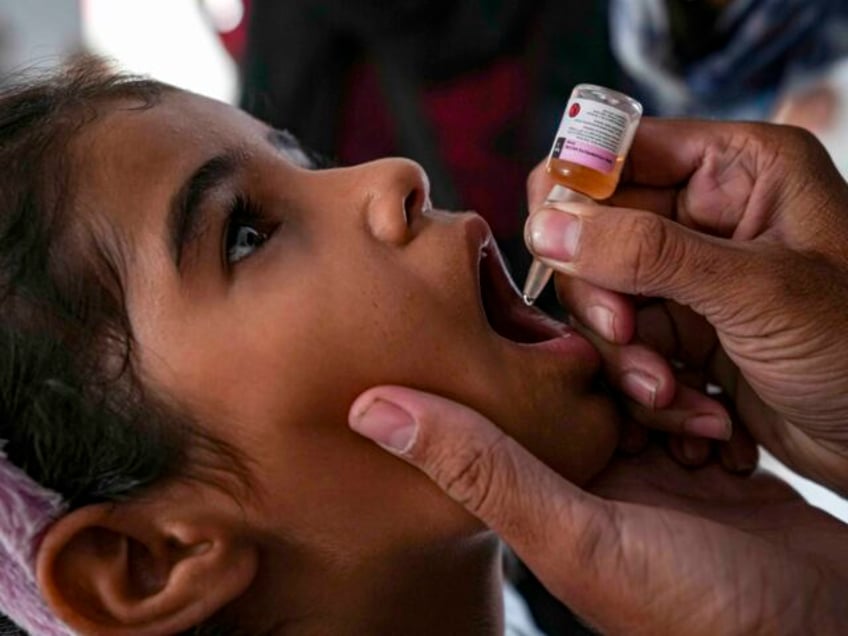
(186, 209)
(185, 214)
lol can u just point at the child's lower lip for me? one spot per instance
(568, 344)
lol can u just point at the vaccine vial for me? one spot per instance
(587, 156)
(593, 139)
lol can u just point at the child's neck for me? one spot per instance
(456, 590)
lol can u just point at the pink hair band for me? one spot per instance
(26, 510)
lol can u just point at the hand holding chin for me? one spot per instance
(663, 549)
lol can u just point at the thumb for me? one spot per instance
(637, 252)
(556, 528)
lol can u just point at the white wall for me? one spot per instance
(37, 31)
(168, 39)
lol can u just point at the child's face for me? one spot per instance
(324, 283)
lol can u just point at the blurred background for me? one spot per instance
(473, 90)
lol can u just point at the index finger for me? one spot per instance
(722, 178)
(666, 152)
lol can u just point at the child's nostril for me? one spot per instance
(408, 208)
(413, 205)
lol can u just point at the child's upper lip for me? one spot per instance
(503, 310)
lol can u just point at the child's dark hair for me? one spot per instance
(74, 414)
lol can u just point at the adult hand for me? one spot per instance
(690, 552)
(745, 225)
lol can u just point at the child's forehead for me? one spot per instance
(136, 150)
(177, 120)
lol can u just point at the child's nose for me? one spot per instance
(397, 192)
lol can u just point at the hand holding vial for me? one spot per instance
(743, 229)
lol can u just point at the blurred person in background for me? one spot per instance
(821, 106)
(732, 59)
(768, 60)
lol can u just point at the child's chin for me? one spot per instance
(579, 446)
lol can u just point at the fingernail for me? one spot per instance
(387, 424)
(641, 387)
(602, 320)
(712, 426)
(554, 235)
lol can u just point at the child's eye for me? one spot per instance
(243, 234)
(242, 240)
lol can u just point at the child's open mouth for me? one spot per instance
(504, 308)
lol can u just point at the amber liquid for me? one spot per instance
(594, 184)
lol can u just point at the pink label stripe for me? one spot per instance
(588, 155)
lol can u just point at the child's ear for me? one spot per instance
(135, 569)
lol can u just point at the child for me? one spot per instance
(189, 310)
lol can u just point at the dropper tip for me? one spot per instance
(537, 277)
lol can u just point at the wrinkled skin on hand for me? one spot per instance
(655, 548)
(745, 225)
(749, 555)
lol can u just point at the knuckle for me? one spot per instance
(786, 149)
(797, 149)
(753, 148)
(653, 251)
(760, 132)
(802, 138)
(674, 262)
(489, 480)
(470, 475)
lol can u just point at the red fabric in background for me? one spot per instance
(468, 115)
(235, 41)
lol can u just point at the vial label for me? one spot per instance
(590, 134)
